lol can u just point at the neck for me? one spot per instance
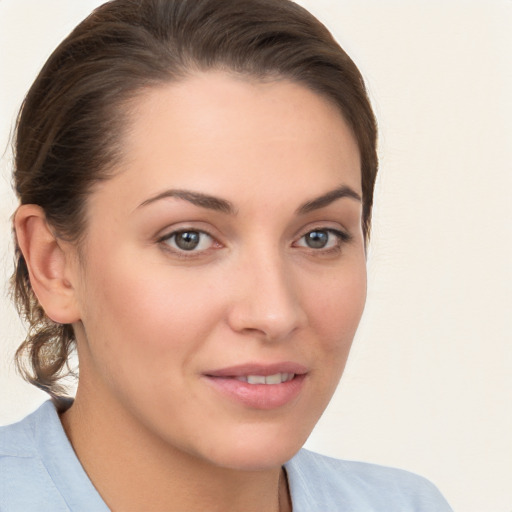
(135, 470)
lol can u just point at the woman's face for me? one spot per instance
(223, 272)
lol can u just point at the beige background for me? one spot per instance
(429, 383)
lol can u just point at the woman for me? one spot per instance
(195, 181)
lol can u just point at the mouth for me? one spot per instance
(257, 386)
(283, 371)
(276, 378)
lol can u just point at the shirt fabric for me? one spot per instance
(39, 471)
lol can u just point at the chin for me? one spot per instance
(258, 448)
(259, 459)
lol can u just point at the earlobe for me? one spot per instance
(48, 264)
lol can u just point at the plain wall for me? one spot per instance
(429, 383)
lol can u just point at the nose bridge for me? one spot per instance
(267, 301)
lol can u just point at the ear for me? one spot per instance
(49, 264)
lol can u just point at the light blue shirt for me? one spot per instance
(39, 472)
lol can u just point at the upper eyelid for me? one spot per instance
(173, 232)
(337, 230)
(343, 235)
(169, 231)
(323, 226)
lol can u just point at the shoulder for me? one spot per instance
(323, 483)
(17, 450)
(18, 440)
(29, 451)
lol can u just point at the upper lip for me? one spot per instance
(265, 370)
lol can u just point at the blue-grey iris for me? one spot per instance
(187, 240)
(317, 239)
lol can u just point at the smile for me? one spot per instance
(277, 378)
(259, 386)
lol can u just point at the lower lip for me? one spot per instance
(258, 396)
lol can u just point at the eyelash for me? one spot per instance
(166, 240)
(342, 238)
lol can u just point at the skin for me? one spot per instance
(152, 319)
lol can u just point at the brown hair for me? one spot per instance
(70, 124)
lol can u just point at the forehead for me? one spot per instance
(219, 133)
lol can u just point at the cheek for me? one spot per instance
(143, 331)
(143, 310)
(336, 309)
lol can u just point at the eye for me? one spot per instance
(323, 239)
(188, 240)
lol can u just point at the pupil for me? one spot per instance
(317, 239)
(187, 240)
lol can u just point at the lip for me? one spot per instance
(258, 369)
(258, 396)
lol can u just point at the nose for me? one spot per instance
(266, 300)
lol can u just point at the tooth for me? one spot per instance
(277, 378)
(255, 379)
(274, 379)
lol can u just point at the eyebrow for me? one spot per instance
(225, 206)
(328, 198)
(196, 198)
